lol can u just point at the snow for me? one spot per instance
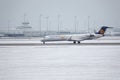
(66, 62)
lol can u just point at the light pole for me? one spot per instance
(58, 23)
(47, 21)
(8, 26)
(75, 23)
(40, 22)
(88, 25)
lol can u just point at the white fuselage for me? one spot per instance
(73, 37)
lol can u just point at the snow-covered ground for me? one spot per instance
(65, 62)
(60, 62)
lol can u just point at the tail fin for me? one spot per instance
(102, 30)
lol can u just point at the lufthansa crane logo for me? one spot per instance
(102, 31)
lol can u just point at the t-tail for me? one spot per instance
(102, 30)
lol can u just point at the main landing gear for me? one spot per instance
(43, 42)
(77, 42)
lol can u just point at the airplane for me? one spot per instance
(76, 38)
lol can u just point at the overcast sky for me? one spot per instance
(101, 12)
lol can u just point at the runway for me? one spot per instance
(56, 44)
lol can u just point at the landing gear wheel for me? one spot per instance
(74, 42)
(78, 42)
(43, 42)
